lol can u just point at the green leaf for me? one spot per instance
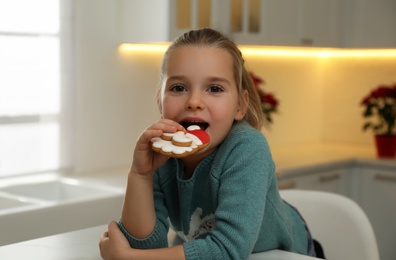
(367, 126)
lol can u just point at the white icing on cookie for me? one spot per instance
(180, 149)
(193, 127)
(181, 138)
(167, 147)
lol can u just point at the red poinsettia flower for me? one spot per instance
(271, 99)
(256, 80)
(380, 104)
(269, 102)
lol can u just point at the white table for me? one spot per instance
(84, 244)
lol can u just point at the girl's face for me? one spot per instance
(199, 88)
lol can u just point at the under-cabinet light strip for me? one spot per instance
(278, 51)
(160, 47)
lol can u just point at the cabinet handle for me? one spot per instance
(384, 177)
(287, 185)
(307, 42)
(328, 178)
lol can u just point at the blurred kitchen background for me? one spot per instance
(78, 82)
(340, 51)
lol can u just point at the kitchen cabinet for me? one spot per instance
(378, 200)
(336, 181)
(370, 23)
(299, 23)
(253, 22)
(335, 23)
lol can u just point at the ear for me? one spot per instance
(242, 106)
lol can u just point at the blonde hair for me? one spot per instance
(210, 37)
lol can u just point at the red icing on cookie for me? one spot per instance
(201, 134)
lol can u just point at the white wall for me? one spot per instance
(295, 81)
(114, 100)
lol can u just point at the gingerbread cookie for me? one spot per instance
(181, 144)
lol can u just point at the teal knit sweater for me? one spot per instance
(229, 208)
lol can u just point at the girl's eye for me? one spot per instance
(178, 88)
(215, 88)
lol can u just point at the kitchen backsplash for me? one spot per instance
(319, 96)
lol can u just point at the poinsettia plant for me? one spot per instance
(380, 108)
(269, 102)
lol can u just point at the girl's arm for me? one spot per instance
(138, 213)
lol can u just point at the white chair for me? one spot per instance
(337, 223)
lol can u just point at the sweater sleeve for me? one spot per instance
(244, 170)
(158, 238)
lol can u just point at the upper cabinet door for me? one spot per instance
(297, 23)
(267, 22)
(370, 24)
(321, 23)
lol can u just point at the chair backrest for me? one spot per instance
(337, 222)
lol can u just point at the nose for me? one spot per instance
(195, 101)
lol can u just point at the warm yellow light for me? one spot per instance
(317, 52)
(157, 47)
(363, 53)
(282, 51)
(279, 51)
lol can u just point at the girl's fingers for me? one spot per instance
(115, 233)
(160, 127)
(145, 160)
(167, 125)
(113, 229)
(148, 134)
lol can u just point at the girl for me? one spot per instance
(223, 201)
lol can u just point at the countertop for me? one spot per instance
(83, 244)
(305, 157)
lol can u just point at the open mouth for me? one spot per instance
(202, 125)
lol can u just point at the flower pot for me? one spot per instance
(386, 146)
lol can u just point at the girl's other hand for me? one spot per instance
(113, 244)
(145, 160)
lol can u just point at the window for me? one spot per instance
(34, 85)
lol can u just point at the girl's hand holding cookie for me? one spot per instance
(144, 159)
